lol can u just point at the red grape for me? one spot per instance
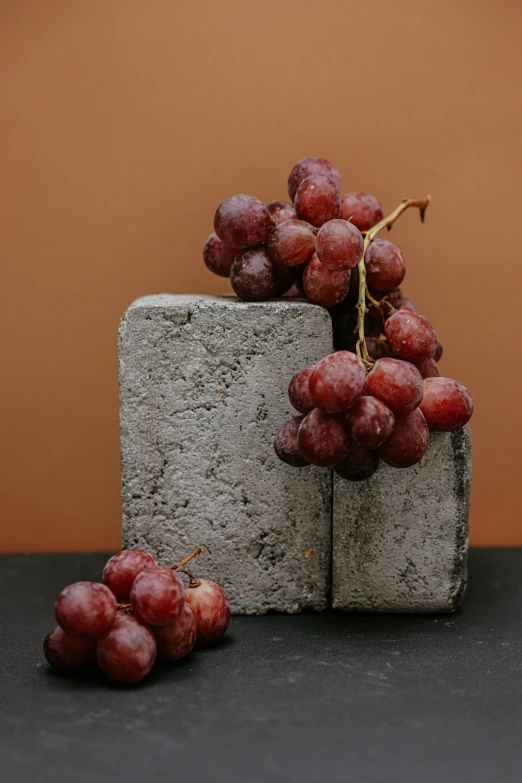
(362, 209)
(123, 568)
(410, 336)
(371, 422)
(385, 268)
(397, 384)
(408, 304)
(126, 653)
(358, 464)
(428, 368)
(408, 443)
(280, 211)
(254, 276)
(157, 595)
(217, 256)
(339, 245)
(85, 609)
(447, 405)
(336, 382)
(377, 348)
(324, 286)
(69, 653)
(285, 445)
(176, 639)
(242, 221)
(299, 391)
(211, 608)
(317, 200)
(309, 166)
(291, 243)
(438, 352)
(322, 439)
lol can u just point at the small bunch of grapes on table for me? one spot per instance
(142, 612)
(378, 394)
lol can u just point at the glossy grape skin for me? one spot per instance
(447, 405)
(210, 605)
(377, 348)
(322, 438)
(175, 640)
(242, 221)
(126, 653)
(317, 200)
(304, 168)
(385, 267)
(280, 211)
(408, 304)
(299, 391)
(157, 595)
(410, 336)
(408, 443)
(323, 286)
(397, 384)
(122, 569)
(336, 382)
(285, 444)
(371, 422)
(291, 243)
(69, 653)
(438, 352)
(254, 276)
(218, 256)
(85, 609)
(358, 464)
(339, 245)
(428, 368)
(362, 209)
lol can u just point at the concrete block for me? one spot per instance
(203, 390)
(400, 540)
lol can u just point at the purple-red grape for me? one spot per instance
(438, 352)
(254, 276)
(123, 568)
(336, 382)
(371, 422)
(408, 443)
(309, 166)
(408, 304)
(85, 609)
(385, 268)
(428, 368)
(447, 405)
(218, 256)
(242, 221)
(210, 605)
(299, 391)
(397, 384)
(157, 595)
(285, 445)
(377, 348)
(317, 200)
(69, 653)
(126, 653)
(410, 336)
(362, 209)
(176, 639)
(358, 464)
(280, 211)
(339, 245)
(324, 286)
(291, 243)
(322, 438)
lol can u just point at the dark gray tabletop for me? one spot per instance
(316, 697)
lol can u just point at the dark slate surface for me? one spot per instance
(325, 697)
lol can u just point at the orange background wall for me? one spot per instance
(125, 123)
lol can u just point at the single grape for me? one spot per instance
(217, 256)
(317, 200)
(309, 166)
(339, 245)
(123, 568)
(285, 444)
(85, 609)
(447, 405)
(385, 268)
(69, 653)
(324, 286)
(336, 382)
(358, 464)
(210, 605)
(126, 653)
(253, 275)
(242, 221)
(176, 639)
(371, 422)
(410, 336)
(280, 211)
(390, 301)
(361, 209)
(157, 595)
(299, 391)
(322, 438)
(428, 368)
(408, 304)
(291, 243)
(438, 352)
(377, 348)
(397, 384)
(408, 443)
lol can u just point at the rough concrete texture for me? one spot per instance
(203, 389)
(400, 540)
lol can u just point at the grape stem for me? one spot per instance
(194, 581)
(422, 205)
(195, 554)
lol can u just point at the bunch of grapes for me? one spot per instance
(378, 394)
(141, 613)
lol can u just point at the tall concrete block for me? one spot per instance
(203, 390)
(400, 540)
